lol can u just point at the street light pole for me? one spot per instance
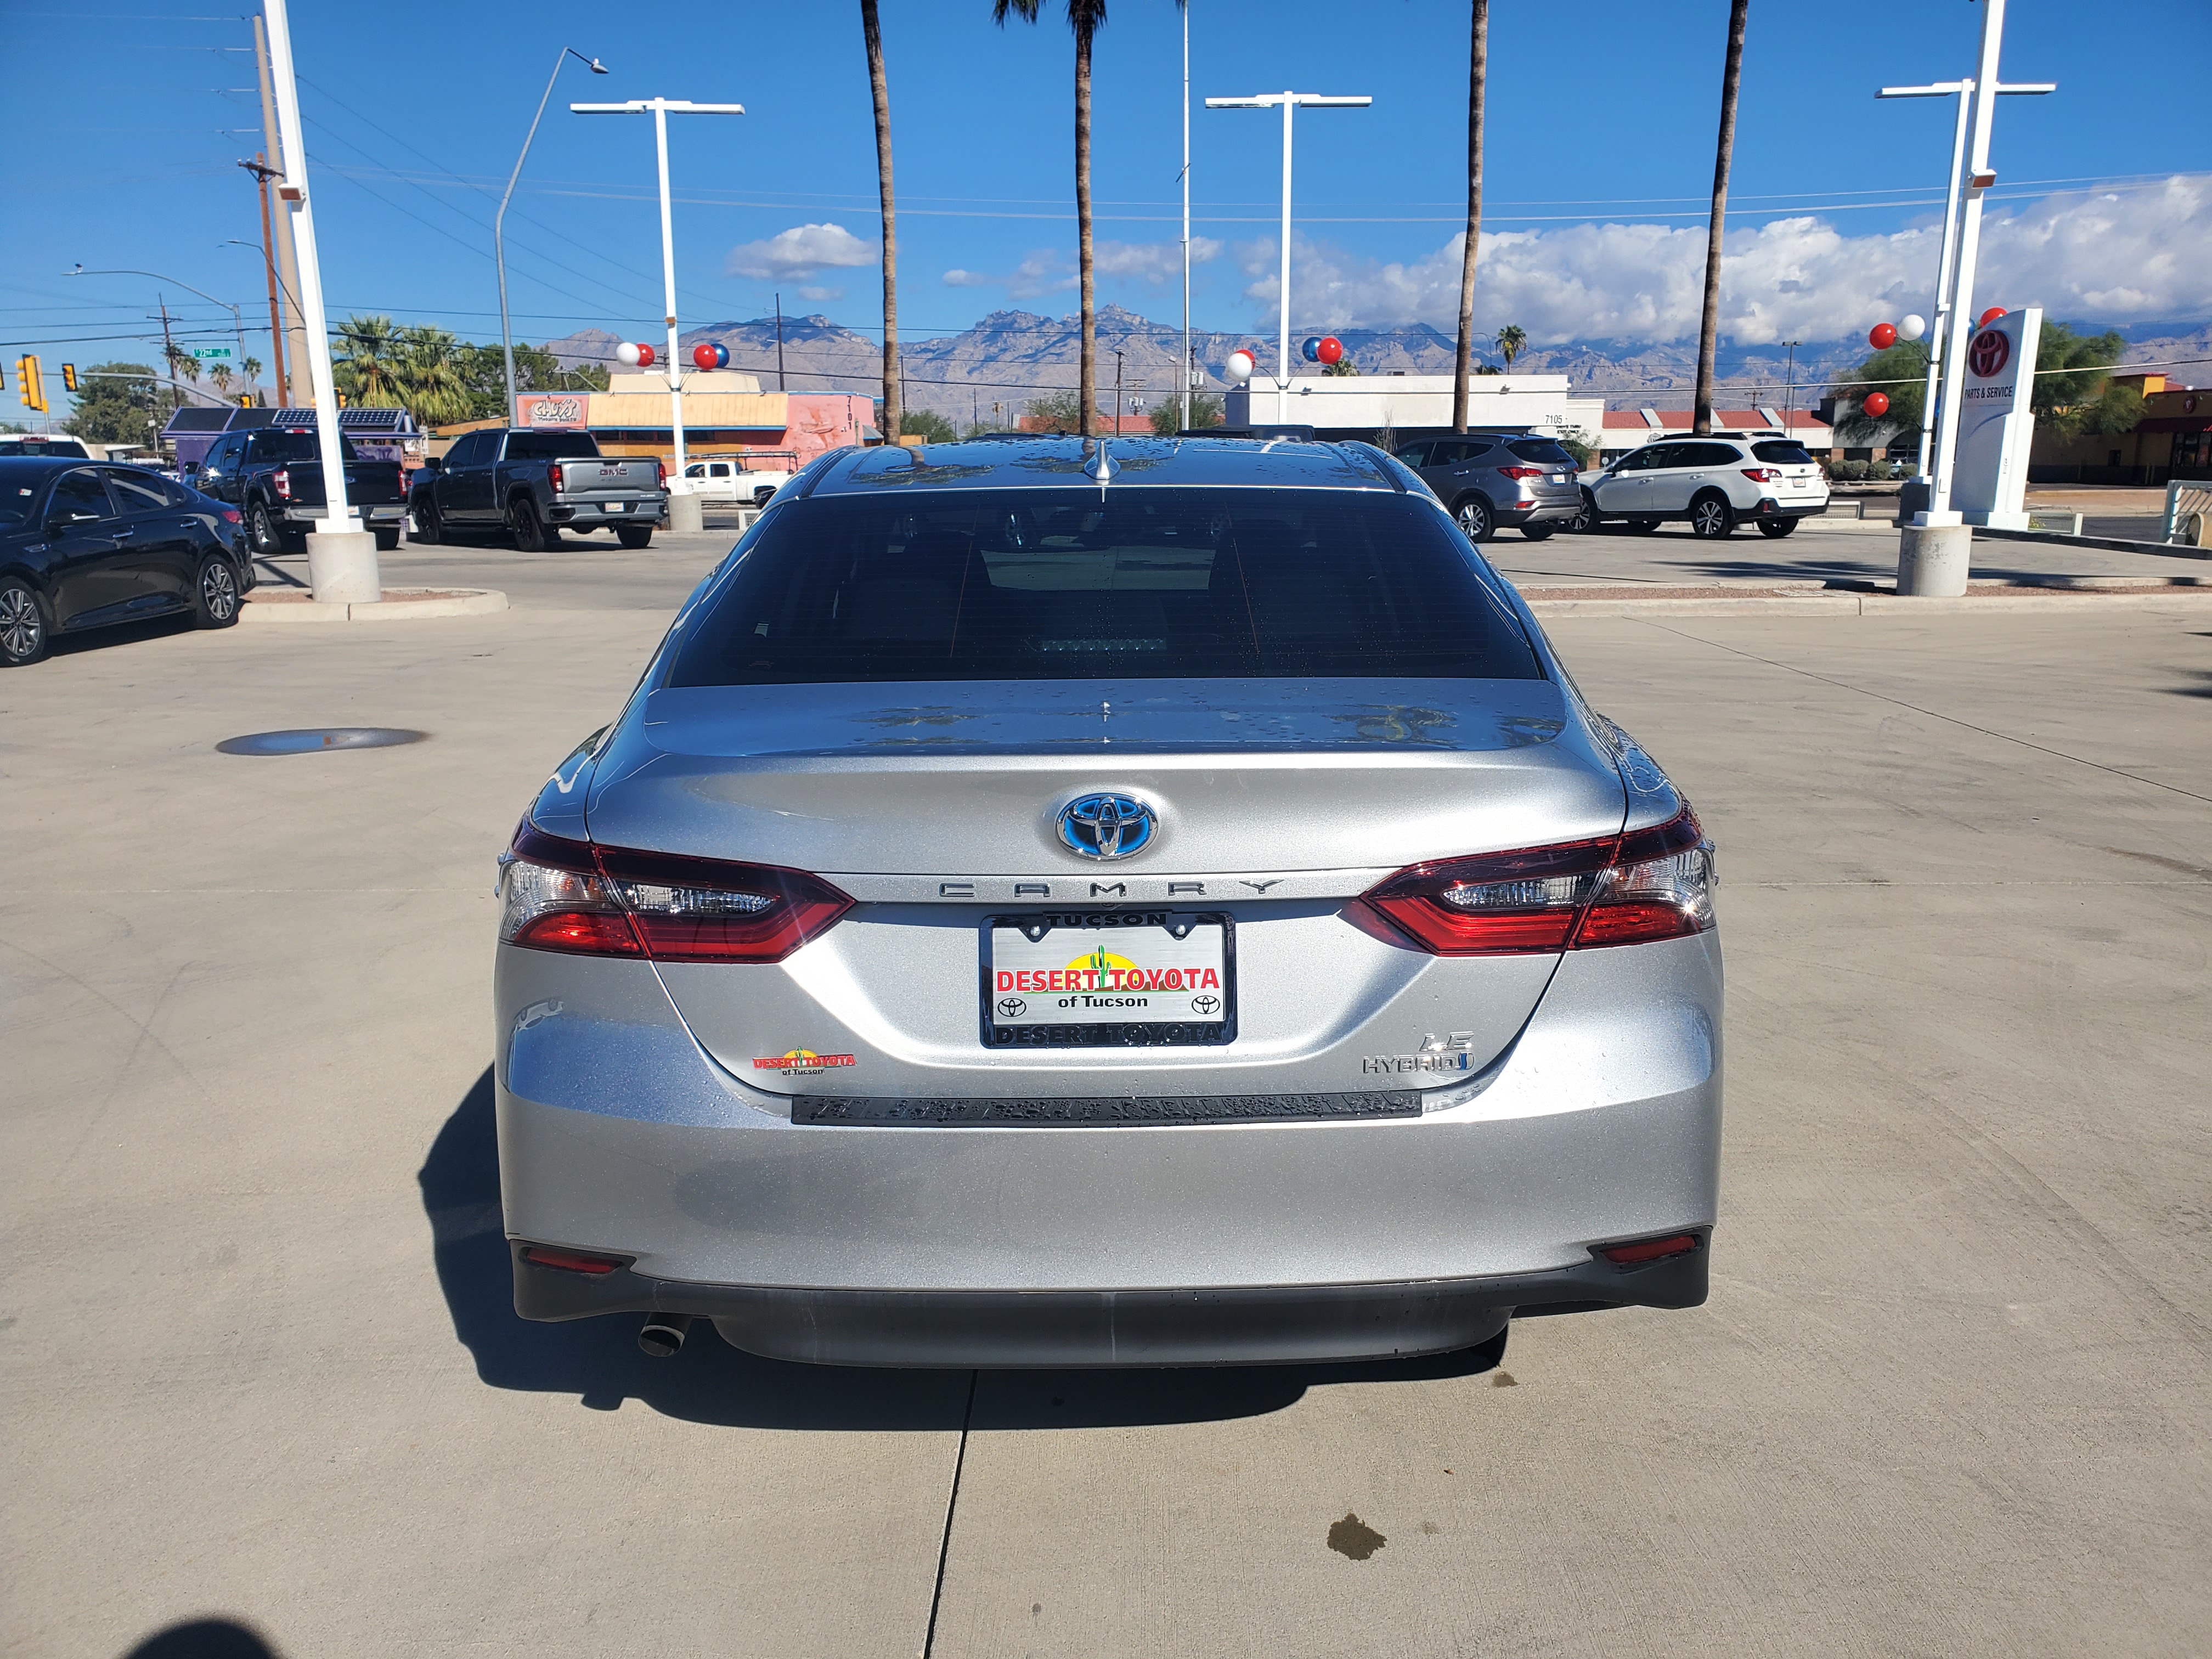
(342, 565)
(499, 219)
(237, 316)
(1290, 101)
(660, 108)
(1185, 375)
(1939, 325)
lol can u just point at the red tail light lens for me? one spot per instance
(573, 1261)
(230, 515)
(282, 478)
(1523, 471)
(557, 475)
(1762, 474)
(660, 474)
(1649, 885)
(588, 900)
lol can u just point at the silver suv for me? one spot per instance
(1716, 482)
(1486, 479)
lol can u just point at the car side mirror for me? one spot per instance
(435, 464)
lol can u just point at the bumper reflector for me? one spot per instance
(575, 1261)
(1650, 1250)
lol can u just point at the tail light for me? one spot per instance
(573, 1261)
(1523, 471)
(282, 478)
(1643, 1250)
(557, 475)
(1648, 885)
(230, 515)
(1762, 474)
(589, 900)
(660, 474)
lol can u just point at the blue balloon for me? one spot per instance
(721, 356)
(1312, 349)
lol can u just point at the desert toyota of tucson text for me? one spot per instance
(1151, 904)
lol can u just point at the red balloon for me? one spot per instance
(1331, 348)
(1991, 315)
(1882, 336)
(1877, 403)
(703, 355)
(644, 356)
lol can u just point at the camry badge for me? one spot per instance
(1107, 826)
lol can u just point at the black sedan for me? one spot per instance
(84, 547)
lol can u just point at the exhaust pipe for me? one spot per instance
(662, 1333)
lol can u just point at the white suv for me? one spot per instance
(1716, 482)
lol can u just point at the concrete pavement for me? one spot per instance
(1950, 1395)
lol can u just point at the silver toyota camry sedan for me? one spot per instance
(1063, 904)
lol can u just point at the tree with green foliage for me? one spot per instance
(2073, 394)
(1512, 341)
(1056, 410)
(1167, 413)
(926, 424)
(1902, 371)
(1341, 367)
(118, 404)
(364, 363)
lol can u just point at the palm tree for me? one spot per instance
(872, 32)
(1723, 152)
(426, 376)
(367, 366)
(1087, 18)
(251, 368)
(1512, 340)
(1477, 72)
(220, 373)
(183, 366)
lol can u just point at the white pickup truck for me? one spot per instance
(728, 479)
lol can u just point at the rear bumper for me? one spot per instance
(375, 513)
(1264, 1325)
(1769, 507)
(1516, 514)
(639, 509)
(1195, 1244)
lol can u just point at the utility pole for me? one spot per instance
(262, 171)
(168, 346)
(779, 342)
(1789, 395)
(1117, 394)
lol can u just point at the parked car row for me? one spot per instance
(83, 547)
(1489, 481)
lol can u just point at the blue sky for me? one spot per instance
(1600, 136)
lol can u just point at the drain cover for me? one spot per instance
(315, 739)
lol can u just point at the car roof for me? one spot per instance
(1048, 463)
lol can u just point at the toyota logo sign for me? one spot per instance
(1990, 351)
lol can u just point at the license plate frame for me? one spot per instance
(1098, 924)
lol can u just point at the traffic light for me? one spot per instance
(69, 377)
(245, 400)
(342, 400)
(33, 389)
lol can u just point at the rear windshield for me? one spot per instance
(289, 446)
(1542, 451)
(1784, 452)
(1144, 584)
(68, 447)
(550, 446)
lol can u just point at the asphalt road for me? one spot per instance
(1950, 1397)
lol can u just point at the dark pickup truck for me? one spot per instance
(274, 477)
(535, 482)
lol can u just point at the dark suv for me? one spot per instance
(1486, 479)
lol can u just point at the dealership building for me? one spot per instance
(724, 413)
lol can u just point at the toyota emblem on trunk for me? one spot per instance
(1107, 826)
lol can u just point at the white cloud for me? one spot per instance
(1152, 262)
(2105, 257)
(813, 291)
(802, 251)
(1044, 271)
(958, 278)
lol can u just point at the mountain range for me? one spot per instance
(1010, 357)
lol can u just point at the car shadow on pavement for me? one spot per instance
(599, 1361)
(204, 1639)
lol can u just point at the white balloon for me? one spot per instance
(626, 354)
(1239, 367)
(1912, 328)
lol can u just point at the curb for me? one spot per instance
(450, 602)
(2108, 543)
(1876, 605)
